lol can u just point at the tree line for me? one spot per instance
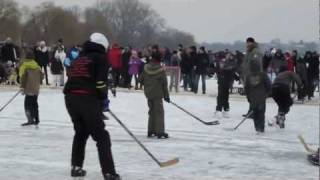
(127, 22)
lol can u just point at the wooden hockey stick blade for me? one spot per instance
(229, 129)
(212, 123)
(169, 163)
(305, 145)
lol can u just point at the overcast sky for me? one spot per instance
(230, 20)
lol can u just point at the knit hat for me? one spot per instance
(99, 38)
(250, 39)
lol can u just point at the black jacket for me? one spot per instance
(41, 57)
(202, 63)
(88, 74)
(9, 52)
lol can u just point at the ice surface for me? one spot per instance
(205, 152)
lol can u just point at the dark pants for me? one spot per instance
(116, 76)
(223, 98)
(312, 82)
(156, 116)
(31, 108)
(85, 112)
(44, 67)
(203, 79)
(188, 81)
(126, 77)
(258, 116)
(281, 95)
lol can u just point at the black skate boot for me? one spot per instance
(151, 134)
(78, 172)
(280, 120)
(104, 117)
(314, 158)
(111, 177)
(30, 119)
(163, 136)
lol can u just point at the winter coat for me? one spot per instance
(286, 78)
(290, 63)
(313, 67)
(134, 66)
(254, 55)
(174, 60)
(155, 81)
(9, 52)
(125, 60)
(185, 64)
(88, 73)
(257, 85)
(202, 63)
(225, 71)
(30, 77)
(276, 63)
(301, 70)
(42, 56)
(114, 57)
(72, 55)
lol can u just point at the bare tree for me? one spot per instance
(9, 18)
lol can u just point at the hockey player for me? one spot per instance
(281, 93)
(85, 89)
(257, 87)
(155, 82)
(226, 69)
(30, 79)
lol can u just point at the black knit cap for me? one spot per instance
(251, 39)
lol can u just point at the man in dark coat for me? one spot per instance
(85, 89)
(202, 63)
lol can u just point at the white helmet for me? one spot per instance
(99, 39)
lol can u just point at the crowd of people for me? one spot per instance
(93, 67)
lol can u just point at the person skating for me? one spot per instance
(84, 91)
(30, 79)
(225, 71)
(155, 84)
(281, 93)
(42, 58)
(257, 87)
(253, 53)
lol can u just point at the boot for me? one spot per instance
(151, 134)
(30, 119)
(163, 136)
(77, 172)
(280, 120)
(111, 177)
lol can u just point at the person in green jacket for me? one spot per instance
(30, 78)
(155, 84)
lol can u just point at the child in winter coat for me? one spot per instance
(155, 88)
(257, 87)
(30, 79)
(134, 67)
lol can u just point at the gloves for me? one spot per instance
(167, 99)
(105, 105)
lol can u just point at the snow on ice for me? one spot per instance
(205, 152)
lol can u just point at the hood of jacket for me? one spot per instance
(153, 68)
(28, 64)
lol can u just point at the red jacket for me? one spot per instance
(114, 57)
(290, 63)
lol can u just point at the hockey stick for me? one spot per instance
(204, 122)
(244, 119)
(305, 145)
(161, 164)
(10, 100)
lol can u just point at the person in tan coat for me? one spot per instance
(30, 78)
(155, 84)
